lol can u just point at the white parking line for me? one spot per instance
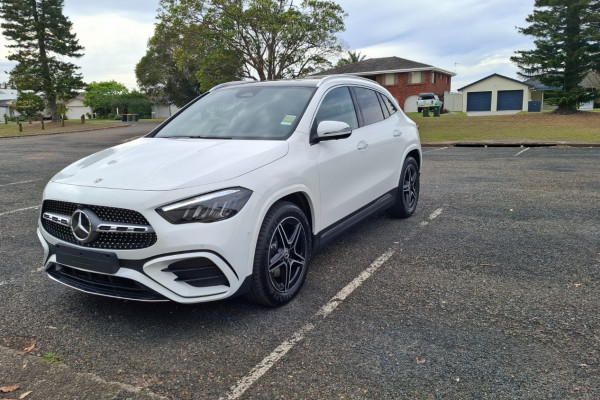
(522, 151)
(432, 216)
(436, 213)
(19, 210)
(261, 368)
(18, 183)
(431, 151)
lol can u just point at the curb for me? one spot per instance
(63, 132)
(510, 144)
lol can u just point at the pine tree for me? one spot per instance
(42, 39)
(567, 41)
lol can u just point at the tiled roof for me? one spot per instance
(373, 65)
(539, 85)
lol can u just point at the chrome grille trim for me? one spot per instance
(111, 227)
(64, 220)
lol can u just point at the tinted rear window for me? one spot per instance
(369, 105)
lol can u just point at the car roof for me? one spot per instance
(314, 81)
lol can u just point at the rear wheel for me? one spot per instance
(407, 195)
(282, 254)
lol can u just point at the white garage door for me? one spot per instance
(410, 105)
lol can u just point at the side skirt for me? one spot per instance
(329, 234)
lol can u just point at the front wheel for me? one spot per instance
(407, 195)
(282, 254)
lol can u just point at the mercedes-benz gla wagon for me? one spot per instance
(232, 194)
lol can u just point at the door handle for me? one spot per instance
(397, 133)
(362, 145)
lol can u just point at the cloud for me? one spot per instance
(113, 45)
(474, 37)
(470, 37)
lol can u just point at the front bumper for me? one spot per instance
(160, 278)
(187, 263)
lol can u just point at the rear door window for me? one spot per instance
(369, 105)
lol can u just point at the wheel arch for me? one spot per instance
(416, 154)
(301, 200)
(298, 195)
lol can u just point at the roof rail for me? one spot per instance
(324, 78)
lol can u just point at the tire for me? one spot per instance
(407, 195)
(419, 109)
(282, 256)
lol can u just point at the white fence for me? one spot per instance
(453, 101)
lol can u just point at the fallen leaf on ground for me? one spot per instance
(6, 389)
(25, 394)
(419, 361)
(28, 349)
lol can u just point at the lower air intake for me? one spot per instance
(198, 272)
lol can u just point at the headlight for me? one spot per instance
(210, 207)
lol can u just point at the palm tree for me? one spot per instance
(353, 57)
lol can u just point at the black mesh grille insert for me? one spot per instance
(198, 272)
(105, 240)
(108, 285)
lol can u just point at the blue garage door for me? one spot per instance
(510, 100)
(479, 101)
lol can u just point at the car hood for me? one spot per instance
(167, 164)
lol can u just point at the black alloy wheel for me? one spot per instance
(407, 195)
(282, 255)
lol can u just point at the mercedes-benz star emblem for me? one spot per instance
(81, 226)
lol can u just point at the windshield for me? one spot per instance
(426, 97)
(249, 112)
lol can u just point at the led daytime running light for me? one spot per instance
(211, 207)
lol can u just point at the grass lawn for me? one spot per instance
(581, 127)
(35, 128)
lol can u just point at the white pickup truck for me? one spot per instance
(427, 100)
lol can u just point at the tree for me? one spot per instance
(253, 39)
(567, 47)
(353, 57)
(168, 70)
(103, 97)
(135, 103)
(28, 104)
(42, 39)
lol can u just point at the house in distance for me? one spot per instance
(403, 78)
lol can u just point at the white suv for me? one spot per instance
(233, 194)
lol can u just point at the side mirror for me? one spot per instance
(330, 130)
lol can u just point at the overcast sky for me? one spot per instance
(473, 38)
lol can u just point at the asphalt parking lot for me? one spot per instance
(490, 291)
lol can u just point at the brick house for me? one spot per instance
(405, 79)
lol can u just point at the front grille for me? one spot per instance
(105, 240)
(198, 272)
(107, 285)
